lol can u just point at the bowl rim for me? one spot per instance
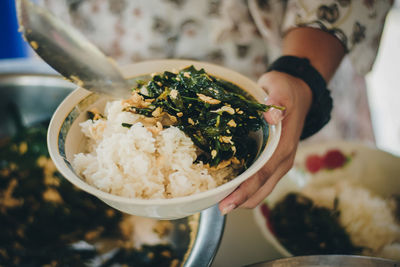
(79, 94)
(268, 235)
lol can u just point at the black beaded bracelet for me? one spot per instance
(321, 106)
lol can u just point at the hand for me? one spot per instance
(292, 93)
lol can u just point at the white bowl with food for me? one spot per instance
(151, 155)
(339, 198)
(38, 202)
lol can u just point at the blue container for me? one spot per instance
(12, 45)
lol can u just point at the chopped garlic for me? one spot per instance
(208, 99)
(173, 94)
(227, 109)
(232, 123)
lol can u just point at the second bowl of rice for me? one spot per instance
(146, 169)
(340, 198)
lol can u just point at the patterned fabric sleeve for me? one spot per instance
(358, 24)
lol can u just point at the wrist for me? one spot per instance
(319, 110)
(303, 95)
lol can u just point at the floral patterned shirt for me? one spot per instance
(243, 35)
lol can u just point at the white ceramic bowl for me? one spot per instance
(66, 139)
(376, 170)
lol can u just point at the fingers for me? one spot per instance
(268, 186)
(240, 195)
(275, 97)
(255, 189)
(279, 164)
(292, 93)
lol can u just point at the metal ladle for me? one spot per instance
(69, 52)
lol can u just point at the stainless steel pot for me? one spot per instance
(329, 261)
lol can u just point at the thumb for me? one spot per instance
(274, 86)
(274, 116)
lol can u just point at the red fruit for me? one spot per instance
(334, 159)
(314, 163)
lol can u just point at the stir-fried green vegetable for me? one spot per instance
(214, 113)
(306, 229)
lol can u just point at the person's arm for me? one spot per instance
(324, 50)
(325, 53)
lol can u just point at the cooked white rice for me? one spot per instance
(367, 218)
(139, 162)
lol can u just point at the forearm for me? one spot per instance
(324, 50)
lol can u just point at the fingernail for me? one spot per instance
(276, 115)
(228, 208)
